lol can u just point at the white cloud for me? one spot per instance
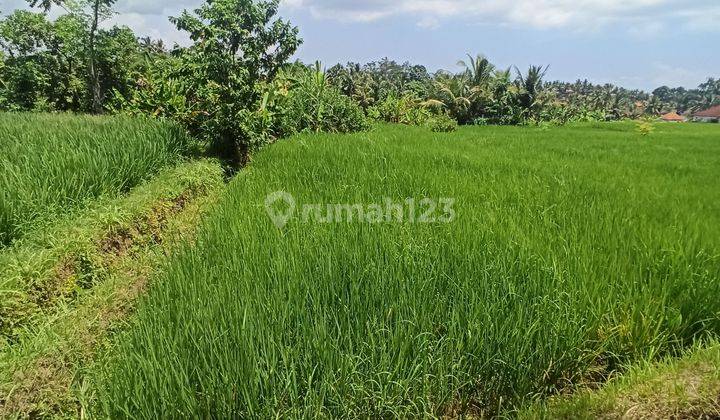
(642, 17)
(702, 19)
(154, 26)
(573, 14)
(646, 29)
(429, 22)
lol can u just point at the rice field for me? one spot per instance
(571, 252)
(52, 164)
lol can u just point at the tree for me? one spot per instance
(68, 48)
(454, 94)
(92, 13)
(24, 33)
(25, 38)
(478, 76)
(99, 10)
(530, 86)
(238, 46)
(479, 70)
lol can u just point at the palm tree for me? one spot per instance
(454, 94)
(654, 106)
(479, 71)
(466, 95)
(530, 85)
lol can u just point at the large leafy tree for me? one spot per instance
(23, 33)
(25, 38)
(47, 64)
(92, 13)
(239, 45)
(97, 11)
(68, 48)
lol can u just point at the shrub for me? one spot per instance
(298, 100)
(400, 110)
(303, 101)
(644, 128)
(442, 124)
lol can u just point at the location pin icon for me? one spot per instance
(280, 214)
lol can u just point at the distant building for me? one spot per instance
(672, 117)
(709, 115)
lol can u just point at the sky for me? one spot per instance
(639, 44)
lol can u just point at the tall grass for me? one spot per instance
(574, 250)
(52, 163)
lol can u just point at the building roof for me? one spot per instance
(672, 116)
(713, 112)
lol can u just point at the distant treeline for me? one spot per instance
(482, 93)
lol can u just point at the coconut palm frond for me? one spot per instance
(433, 103)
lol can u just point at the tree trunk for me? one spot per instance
(94, 73)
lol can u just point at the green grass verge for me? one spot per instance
(676, 388)
(52, 164)
(44, 369)
(575, 251)
(52, 266)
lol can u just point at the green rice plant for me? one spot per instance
(573, 252)
(52, 164)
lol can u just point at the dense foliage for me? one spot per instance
(49, 66)
(483, 94)
(303, 101)
(684, 100)
(238, 46)
(232, 88)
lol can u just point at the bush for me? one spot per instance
(481, 121)
(442, 124)
(644, 128)
(302, 101)
(298, 100)
(400, 110)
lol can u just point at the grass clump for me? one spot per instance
(575, 251)
(52, 164)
